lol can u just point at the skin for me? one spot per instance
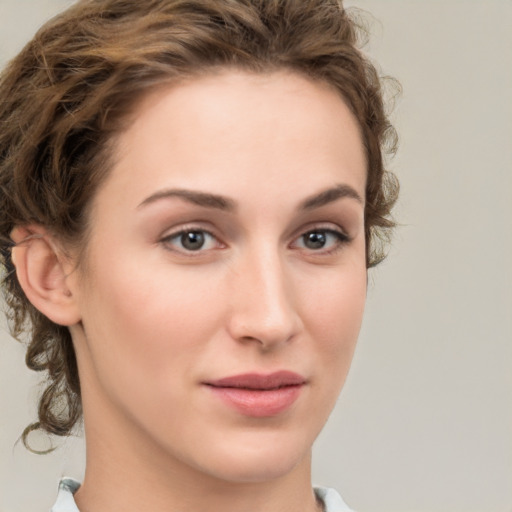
(156, 321)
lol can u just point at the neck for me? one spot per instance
(126, 471)
(125, 481)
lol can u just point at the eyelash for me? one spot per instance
(341, 239)
(178, 235)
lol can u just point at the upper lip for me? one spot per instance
(259, 381)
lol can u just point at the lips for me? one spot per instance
(260, 382)
(259, 395)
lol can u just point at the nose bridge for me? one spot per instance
(263, 306)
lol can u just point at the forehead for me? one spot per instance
(221, 130)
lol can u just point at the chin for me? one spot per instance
(244, 472)
(257, 462)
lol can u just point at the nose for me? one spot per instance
(263, 306)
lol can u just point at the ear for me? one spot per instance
(42, 270)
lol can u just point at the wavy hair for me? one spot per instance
(68, 93)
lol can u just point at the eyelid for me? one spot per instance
(321, 226)
(182, 229)
(195, 225)
(199, 226)
(336, 230)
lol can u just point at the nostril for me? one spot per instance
(267, 340)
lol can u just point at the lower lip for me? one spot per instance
(259, 403)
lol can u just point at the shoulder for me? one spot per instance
(332, 501)
(65, 501)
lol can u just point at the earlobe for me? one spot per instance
(42, 272)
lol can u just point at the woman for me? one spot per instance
(191, 194)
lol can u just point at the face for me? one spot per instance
(224, 278)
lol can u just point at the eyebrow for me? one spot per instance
(218, 202)
(203, 199)
(330, 195)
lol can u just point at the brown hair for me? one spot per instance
(65, 96)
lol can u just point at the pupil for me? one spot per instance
(314, 240)
(193, 240)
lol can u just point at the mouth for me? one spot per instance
(259, 395)
(260, 382)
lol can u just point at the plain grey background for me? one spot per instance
(425, 420)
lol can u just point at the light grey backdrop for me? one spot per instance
(425, 420)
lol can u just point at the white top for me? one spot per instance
(67, 487)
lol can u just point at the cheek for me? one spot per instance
(335, 304)
(144, 321)
(145, 332)
(333, 314)
(332, 317)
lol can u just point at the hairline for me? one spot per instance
(104, 162)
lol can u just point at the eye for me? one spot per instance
(191, 240)
(325, 240)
